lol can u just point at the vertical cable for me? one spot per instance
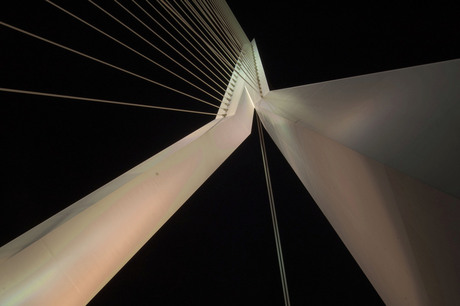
(273, 213)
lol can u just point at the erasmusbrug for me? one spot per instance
(385, 173)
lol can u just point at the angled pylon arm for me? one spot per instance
(68, 258)
(379, 155)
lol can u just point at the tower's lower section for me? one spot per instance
(68, 258)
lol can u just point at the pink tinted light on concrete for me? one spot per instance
(67, 259)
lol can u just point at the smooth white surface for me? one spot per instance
(403, 233)
(408, 119)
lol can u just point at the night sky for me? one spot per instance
(219, 248)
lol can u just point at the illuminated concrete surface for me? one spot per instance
(68, 258)
(379, 155)
(407, 119)
(377, 152)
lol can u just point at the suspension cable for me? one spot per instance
(158, 49)
(181, 44)
(234, 59)
(227, 65)
(273, 214)
(208, 27)
(207, 58)
(177, 51)
(46, 94)
(183, 24)
(104, 63)
(213, 38)
(212, 23)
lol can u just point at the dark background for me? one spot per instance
(218, 249)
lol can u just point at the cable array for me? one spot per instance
(197, 45)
